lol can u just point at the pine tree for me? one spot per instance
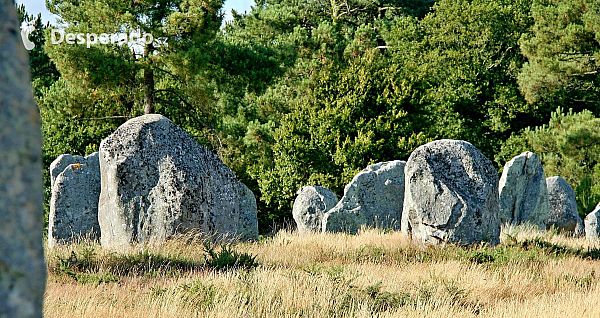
(138, 77)
(563, 49)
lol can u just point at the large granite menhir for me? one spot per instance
(74, 203)
(373, 198)
(22, 266)
(451, 195)
(523, 193)
(563, 207)
(158, 181)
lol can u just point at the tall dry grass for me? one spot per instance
(372, 274)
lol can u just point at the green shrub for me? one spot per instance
(227, 258)
(481, 257)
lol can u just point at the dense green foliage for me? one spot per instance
(299, 93)
(451, 74)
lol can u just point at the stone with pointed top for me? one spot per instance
(523, 193)
(158, 181)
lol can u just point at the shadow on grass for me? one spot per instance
(533, 249)
(84, 265)
(559, 250)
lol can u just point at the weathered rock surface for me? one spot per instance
(563, 207)
(523, 193)
(247, 222)
(74, 201)
(61, 163)
(451, 195)
(374, 198)
(310, 205)
(592, 226)
(158, 181)
(22, 267)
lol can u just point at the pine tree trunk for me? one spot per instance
(149, 84)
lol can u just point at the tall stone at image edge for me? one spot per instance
(158, 181)
(523, 193)
(22, 266)
(563, 207)
(310, 205)
(451, 195)
(373, 198)
(75, 186)
(592, 226)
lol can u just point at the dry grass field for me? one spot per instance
(374, 274)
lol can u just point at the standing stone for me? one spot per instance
(158, 181)
(451, 195)
(310, 205)
(74, 201)
(373, 198)
(563, 207)
(523, 193)
(22, 266)
(247, 222)
(592, 226)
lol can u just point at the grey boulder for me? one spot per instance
(247, 222)
(451, 195)
(373, 198)
(563, 207)
(22, 266)
(592, 226)
(74, 201)
(310, 205)
(523, 193)
(158, 181)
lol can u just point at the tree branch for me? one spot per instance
(164, 101)
(189, 106)
(103, 118)
(584, 74)
(177, 77)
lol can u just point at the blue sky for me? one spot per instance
(39, 6)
